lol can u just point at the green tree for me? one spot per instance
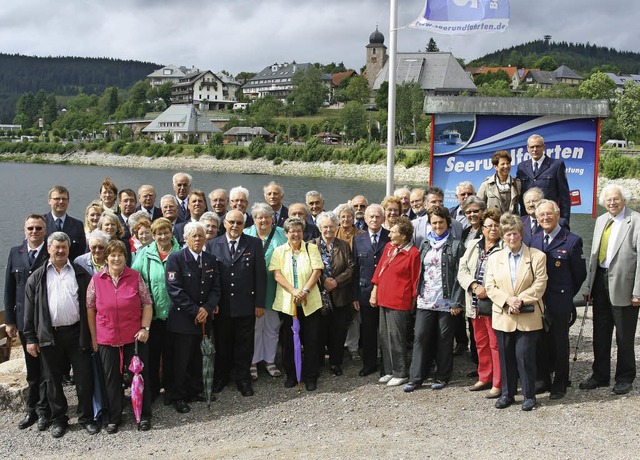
(498, 88)
(627, 111)
(382, 96)
(598, 86)
(409, 103)
(432, 46)
(357, 90)
(138, 93)
(26, 111)
(546, 62)
(354, 119)
(308, 93)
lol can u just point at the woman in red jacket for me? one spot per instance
(395, 284)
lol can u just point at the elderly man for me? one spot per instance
(315, 204)
(23, 261)
(548, 174)
(404, 195)
(300, 211)
(219, 201)
(170, 209)
(273, 195)
(360, 203)
(239, 200)
(463, 191)
(58, 220)
(243, 277)
(416, 200)
(530, 223)
(193, 284)
(614, 287)
(368, 247)
(197, 207)
(421, 226)
(127, 203)
(567, 268)
(182, 187)
(147, 202)
(56, 329)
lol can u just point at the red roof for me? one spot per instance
(336, 78)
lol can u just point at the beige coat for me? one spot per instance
(490, 194)
(531, 282)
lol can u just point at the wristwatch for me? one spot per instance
(305, 290)
(147, 328)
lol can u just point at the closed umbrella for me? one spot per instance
(297, 346)
(137, 384)
(100, 413)
(208, 352)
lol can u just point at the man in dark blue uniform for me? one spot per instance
(367, 250)
(566, 268)
(193, 283)
(243, 278)
(23, 261)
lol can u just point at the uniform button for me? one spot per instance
(232, 284)
(232, 273)
(232, 294)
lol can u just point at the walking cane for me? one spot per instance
(586, 304)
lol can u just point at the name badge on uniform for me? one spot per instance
(171, 276)
(558, 263)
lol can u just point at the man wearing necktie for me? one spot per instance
(182, 187)
(614, 288)
(530, 223)
(567, 268)
(243, 278)
(59, 221)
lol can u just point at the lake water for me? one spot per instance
(26, 186)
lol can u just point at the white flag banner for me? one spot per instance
(461, 17)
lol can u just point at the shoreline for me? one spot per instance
(417, 175)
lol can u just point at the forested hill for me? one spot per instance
(582, 58)
(64, 76)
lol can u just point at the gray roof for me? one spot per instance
(175, 72)
(565, 72)
(279, 71)
(544, 77)
(439, 72)
(185, 118)
(516, 106)
(247, 131)
(620, 80)
(191, 78)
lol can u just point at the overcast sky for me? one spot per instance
(248, 35)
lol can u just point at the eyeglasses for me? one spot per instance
(235, 222)
(97, 248)
(471, 211)
(491, 227)
(37, 229)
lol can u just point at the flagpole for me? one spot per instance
(391, 117)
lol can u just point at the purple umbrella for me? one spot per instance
(137, 384)
(297, 347)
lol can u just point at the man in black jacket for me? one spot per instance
(59, 221)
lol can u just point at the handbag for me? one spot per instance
(485, 307)
(327, 304)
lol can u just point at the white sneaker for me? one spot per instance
(385, 378)
(395, 381)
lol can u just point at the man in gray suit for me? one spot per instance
(614, 286)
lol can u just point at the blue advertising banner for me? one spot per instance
(460, 17)
(462, 146)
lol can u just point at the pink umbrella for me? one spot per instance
(137, 384)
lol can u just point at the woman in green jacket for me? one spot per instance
(150, 262)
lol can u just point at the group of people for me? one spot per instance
(378, 279)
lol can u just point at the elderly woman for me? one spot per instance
(501, 191)
(347, 230)
(119, 312)
(472, 208)
(111, 225)
(267, 327)
(336, 280)
(211, 222)
(439, 300)
(471, 275)
(395, 283)
(141, 236)
(392, 210)
(94, 260)
(151, 263)
(108, 195)
(515, 280)
(296, 267)
(92, 216)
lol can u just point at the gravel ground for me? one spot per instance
(357, 418)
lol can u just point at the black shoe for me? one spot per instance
(336, 370)
(111, 428)
(91, 428)
(200, 397)
(622, 388)
(541, 387)
(145, 425)
(245, 389)
(367, 371)
(219, 386)
(472, 374)
(43, 423)
(181, 406)
(311, 385)
(290, 383)
(503, 402)
(58, 429)
(28, 420)
(166, 399)
(557, 394)
(528, 404)
(592, 384)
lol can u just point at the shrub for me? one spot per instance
(277, 161)
(257, 147)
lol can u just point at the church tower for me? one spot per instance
(376, 56)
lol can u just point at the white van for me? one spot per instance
(615, 143)
(240, 105)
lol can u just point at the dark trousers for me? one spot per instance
(234, 339)
(605, 318)
(460, 330)
(310, 338)
(54, 358)
(369, 321)
(552, 356)
(186, 376)
(333, 333)
(112, 359)
(37, 402)
(433, 339)
(518, 357)
(159, 350)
